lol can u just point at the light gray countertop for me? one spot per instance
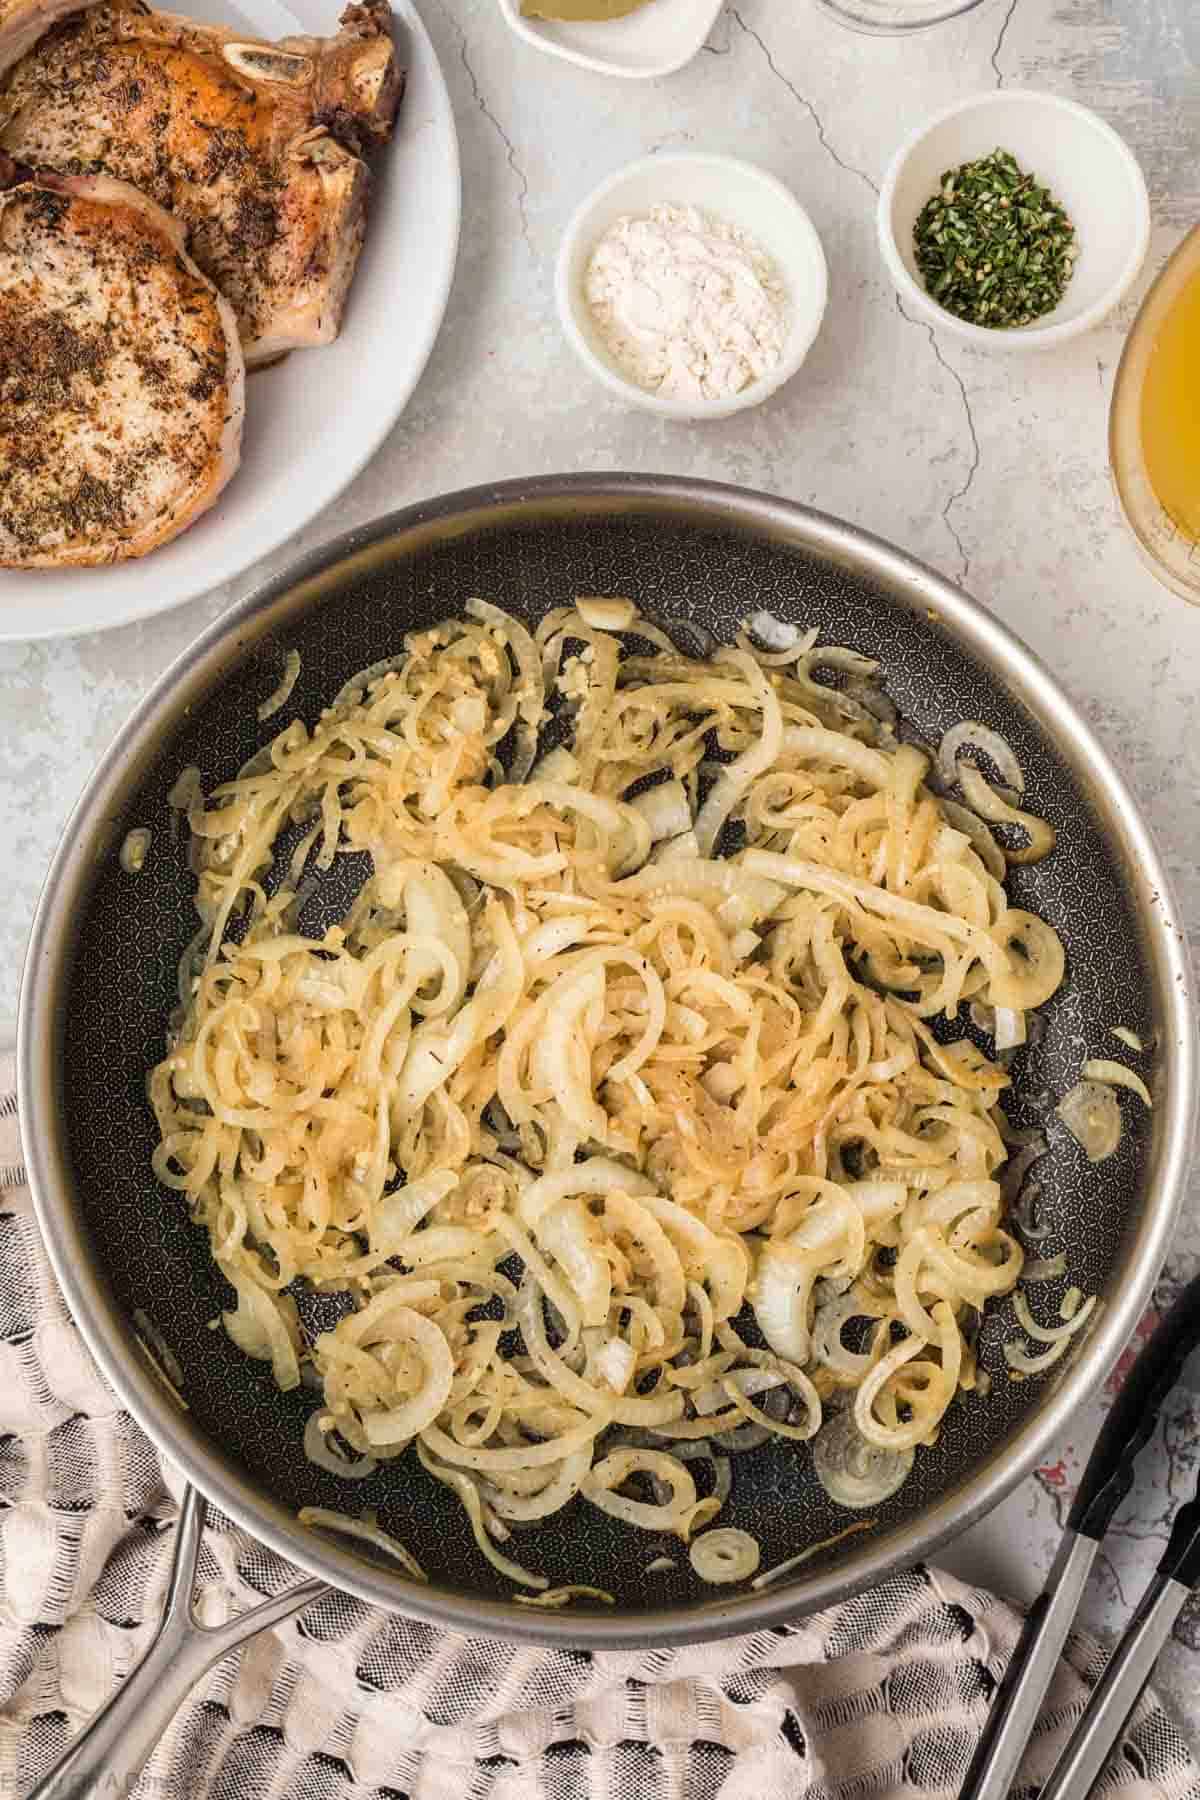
(991, 468)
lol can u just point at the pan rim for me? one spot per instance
(108, 1333)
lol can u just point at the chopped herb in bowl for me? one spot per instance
(994, 246)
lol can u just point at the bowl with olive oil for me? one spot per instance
(1154, 424)
(637, 39)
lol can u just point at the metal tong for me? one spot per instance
(1107, 1479)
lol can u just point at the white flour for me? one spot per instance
(690, 306)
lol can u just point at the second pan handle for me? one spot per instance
(110, 1754)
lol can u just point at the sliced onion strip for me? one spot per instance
(1115, 1074)
(852, 1471)
(278, 698)
(370, 1534)
(1093, 1118)
(319, 1451)
(562, 1596)
(725, 1555)
(769, 1576)
(461, 1484)
(971, 735)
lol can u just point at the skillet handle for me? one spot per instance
(111, 1753)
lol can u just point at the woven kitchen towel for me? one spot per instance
(883, 1696)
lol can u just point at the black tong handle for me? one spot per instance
(1133, 1415)
(1181, 1558)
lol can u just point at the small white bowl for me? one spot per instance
(1071, 151)
(655, 40)
(734, 191)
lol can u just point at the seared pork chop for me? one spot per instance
(121, 374)
(23, 22)
(255, 146)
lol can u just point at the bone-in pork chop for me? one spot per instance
(23, 22)
(121, 374)
(255, 146)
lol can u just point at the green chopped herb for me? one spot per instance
(993, 245)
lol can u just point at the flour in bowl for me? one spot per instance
(688, 305)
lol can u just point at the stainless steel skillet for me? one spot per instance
(99, 985)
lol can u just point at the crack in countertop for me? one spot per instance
(510, 149)
(960, 493)
(803, 99)
(995, 58)
(722, 49)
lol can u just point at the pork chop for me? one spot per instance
(121, 374)
(257, 147)
(23, 22)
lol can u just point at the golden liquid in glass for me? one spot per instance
(1170, 415)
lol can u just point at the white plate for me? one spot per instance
(657, 40)
(315, 419)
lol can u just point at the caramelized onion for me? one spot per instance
(663, 1088)
(1093, 1118)
(724, 1555)
(853, 1472)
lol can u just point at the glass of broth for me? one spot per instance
(1154, 424)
